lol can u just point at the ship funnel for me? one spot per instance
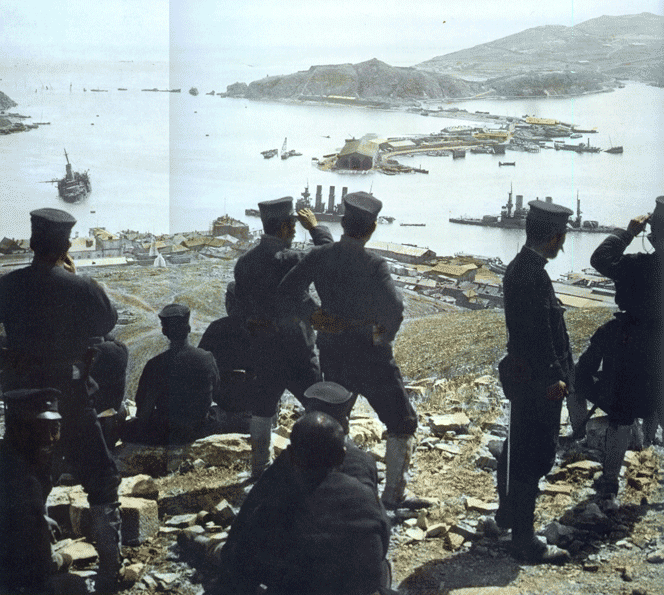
(319, 199)
(330, 202)
(549, 199)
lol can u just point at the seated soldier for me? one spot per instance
(319, 531)
(32, 427)
(228, 339)
(174, 395)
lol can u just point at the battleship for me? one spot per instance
(333, 213)
(513, 216)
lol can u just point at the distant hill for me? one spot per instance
(367, 80)
(542, 61)
(626, 47)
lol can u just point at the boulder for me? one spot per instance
(139, 486)
(140, 520)
(366, 430)
(451, 422)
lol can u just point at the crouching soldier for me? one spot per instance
(32, 427)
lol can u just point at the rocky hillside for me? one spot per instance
(6, 102)
(629, 47)
(367, 80)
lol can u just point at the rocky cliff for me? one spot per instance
(6, 102)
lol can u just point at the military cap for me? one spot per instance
(173, 311)
(657, 217)
(279, 209)
(328, 392)
(362, 205)
(32, 403)
(549, 214)
(52, 222)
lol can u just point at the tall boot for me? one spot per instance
(398, 451)
(107, 532)
(525, 544)
(616, 441)
(503, 516)
(260, 431)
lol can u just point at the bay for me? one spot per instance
(172, 162)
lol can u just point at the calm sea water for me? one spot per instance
(168, 162)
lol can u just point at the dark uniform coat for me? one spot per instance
(357, 290)
(282, 350)
(50, 317)
(174, 395)
(320, 532)
(540, 355)
(25, 540)
(639, 353)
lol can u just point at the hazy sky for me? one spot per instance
(396, 31)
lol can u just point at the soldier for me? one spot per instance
(320, 531)
(282, 350)
(51, 318)
(536, 374)
(32, 427)
(360, 314)
(636, 384)
(176, 388)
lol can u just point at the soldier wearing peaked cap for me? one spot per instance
(281, 349)
(536, 374)
(359, 316)
(51, 318)
(176, 389)
(637, 389)
(32, 429)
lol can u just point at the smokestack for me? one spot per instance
(330, 202)
(549, 199)
(319, 199)
(519, 201)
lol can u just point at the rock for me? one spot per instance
(139, 486)
(222, 450)
(557, 534)
(465, 529)
(415, 534)
(595, 431)
(377, 452)
(480, 505)
(495, 447)
(591, 567)
(81, 552)
(437, 530)
(422, 521)
(282, 431)
(449, 449)
(557, 488)
(451, 422)
(585, 468)
(365, 430)
(223, 513)
(156, 461)
(132, 573)
(483, 591)
(140, 520)
(58, 503)
(279, 444)
(455, 540)
(656, 557)
(79, 514)
(182, 521)
(486, 461)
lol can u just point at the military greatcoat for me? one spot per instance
(357, 291)
(281, 349)
(539, 344)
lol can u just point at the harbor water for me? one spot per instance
(170, 162)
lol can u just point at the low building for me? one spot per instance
(456, 272)
(226, 225)
(357, 155)
(109, 244)
(409, 254)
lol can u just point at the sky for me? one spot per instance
(300, 32)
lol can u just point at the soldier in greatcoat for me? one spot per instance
(52, 317)
(32, 428)
(319, 531)
(537, 373)
(636, 385)
(281, 348)
(359, 316)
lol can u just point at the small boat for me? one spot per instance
(576, 135)
(614, 150)
(500, 163)
(413, 224)
(100, 90)
(285, 153)
(122, 89)
(458, 154)
(193, 91)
